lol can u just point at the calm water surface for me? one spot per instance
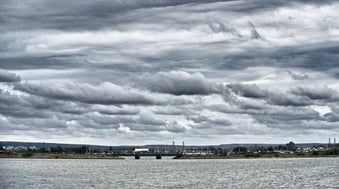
(167, 173)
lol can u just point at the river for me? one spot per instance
(168, 173)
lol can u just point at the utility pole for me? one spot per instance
(334, 142)
(183, 147)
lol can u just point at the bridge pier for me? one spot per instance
(157, 156)
(136, 156)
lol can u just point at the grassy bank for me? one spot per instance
(55, 156)
(254, 156)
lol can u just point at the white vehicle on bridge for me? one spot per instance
(139, 150)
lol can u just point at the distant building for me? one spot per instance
(32, 148)
(9, 148)
(20, 149)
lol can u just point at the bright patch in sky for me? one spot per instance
(322, 110)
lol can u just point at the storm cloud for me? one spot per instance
(104, 93)
(177, 83)
(146, 72)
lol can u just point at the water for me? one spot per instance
(167, 173)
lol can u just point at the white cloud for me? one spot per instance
(123, 129)
(322, 110)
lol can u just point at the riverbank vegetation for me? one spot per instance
(58, 152)
(288, 151)
(37, 155)
(251, 155)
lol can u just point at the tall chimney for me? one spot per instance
(183, 146)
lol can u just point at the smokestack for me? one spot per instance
(183, 146)
(173, 146)
(334, 142)
(329, 142)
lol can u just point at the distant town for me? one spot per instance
(56, 150)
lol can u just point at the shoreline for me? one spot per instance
(29, 155)
(264, 157)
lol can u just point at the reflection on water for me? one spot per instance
(168, 173)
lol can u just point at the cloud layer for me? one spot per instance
(141, 72)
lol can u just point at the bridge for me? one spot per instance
(138, 152)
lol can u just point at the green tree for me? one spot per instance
(240, 149)
(57, 149)
(291, 146)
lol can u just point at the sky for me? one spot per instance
(130, 72)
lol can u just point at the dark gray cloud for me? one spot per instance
(254, 33)
(277, 98)
(221, 27)
(77, 16)
(297, 76)
(99, 14)
(6, 76)
(116, 110)
(332, 117)
(317, 93)
(251, 91)
(177, 83)
(105, 93)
